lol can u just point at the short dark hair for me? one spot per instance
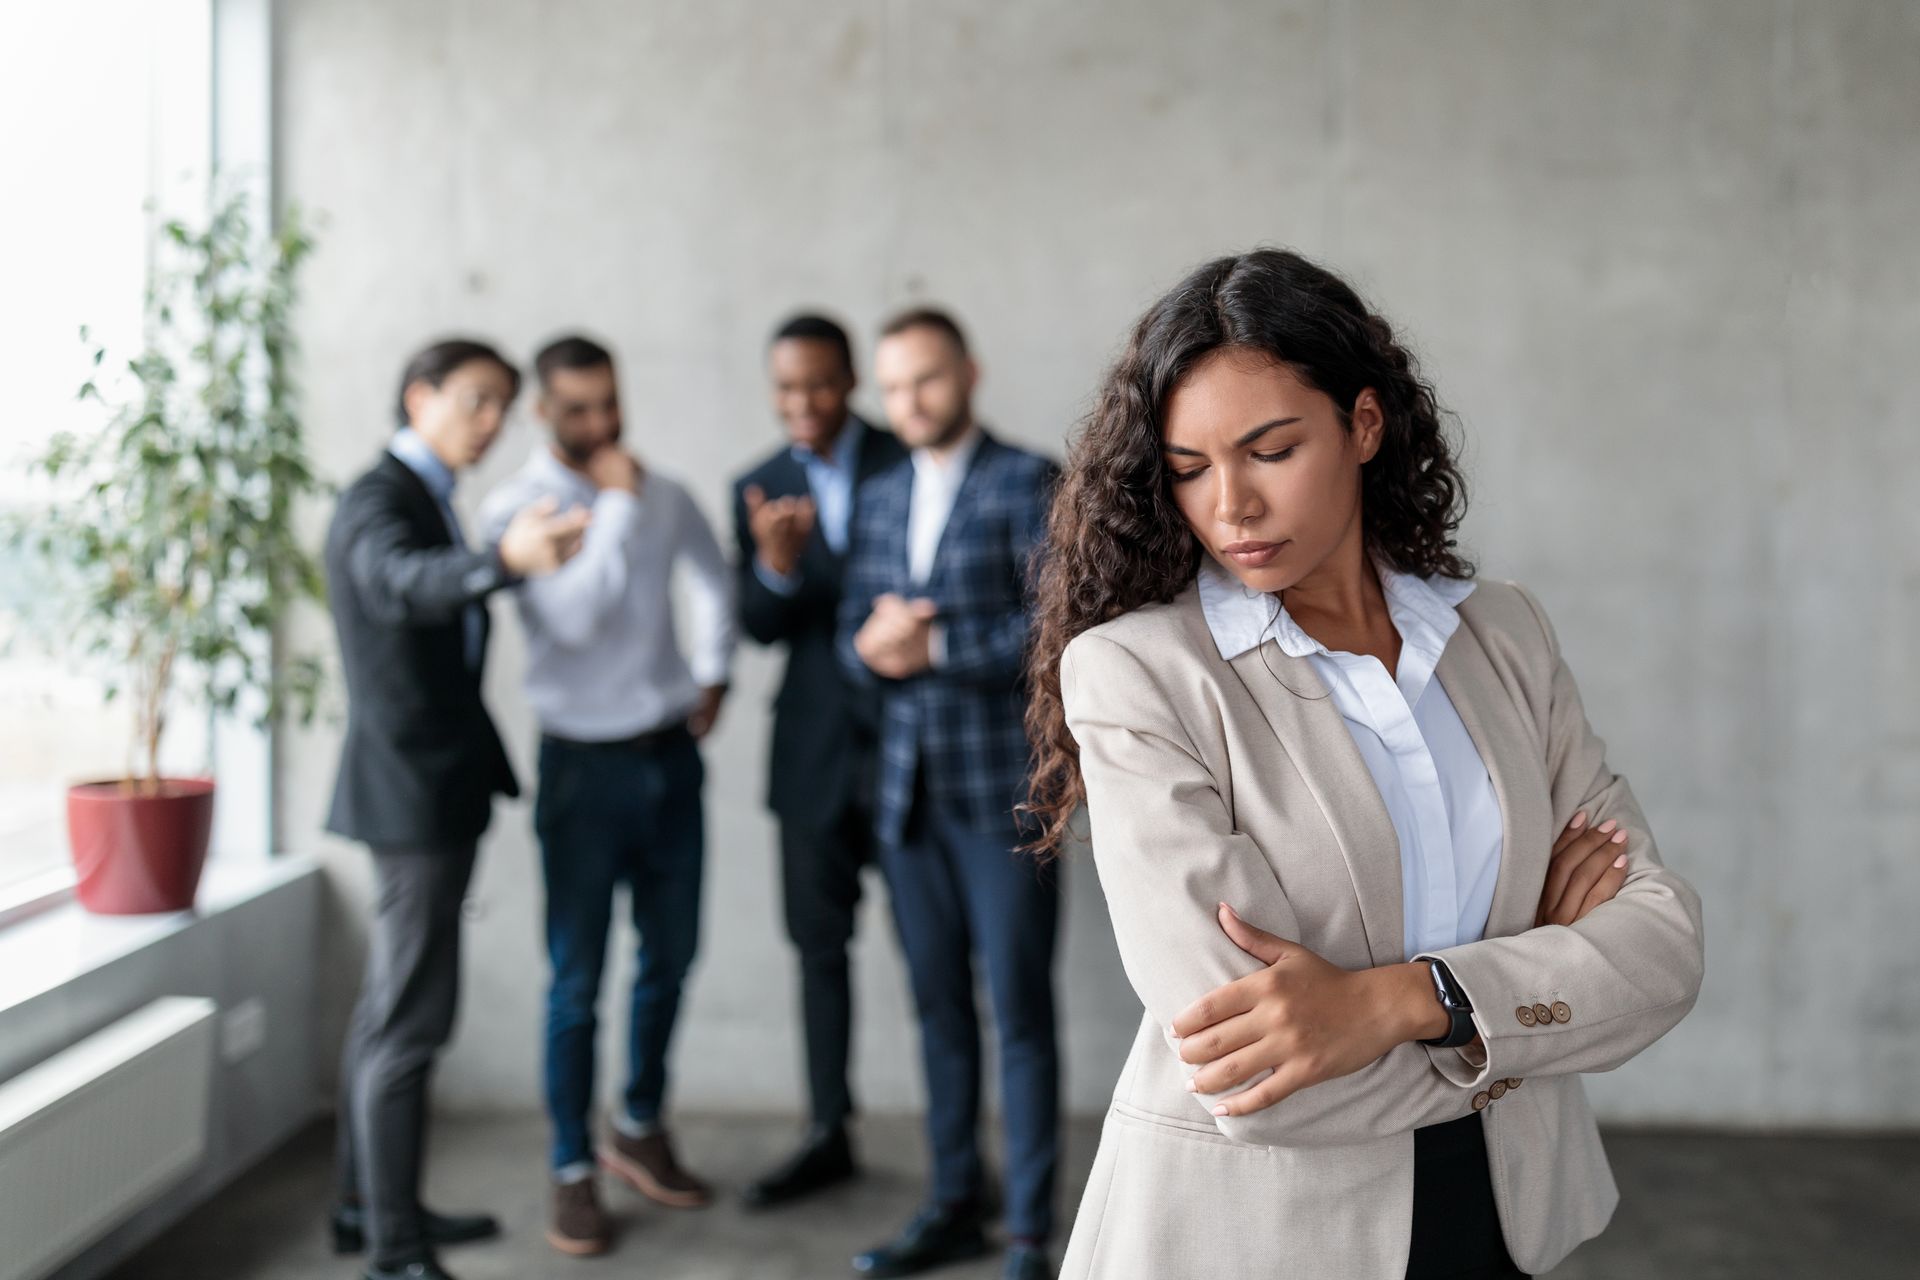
(927, 318)
(569, 352)
(433, 364)
(810, 327)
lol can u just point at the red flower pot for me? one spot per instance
(138, 850)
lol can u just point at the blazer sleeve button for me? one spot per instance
(1542, 1014)
(1480, 1100)
(1562, 1011)
(1525, 1015)
(1514, 1082)
(1497, 1090)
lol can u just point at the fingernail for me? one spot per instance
(1192, 1087)
(1220, 1110)
(1608, 825)
(1579, 820)
(1620, 861)
(1619, 837)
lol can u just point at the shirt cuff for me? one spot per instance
(489, 574)
(936, 645)
(781, 584)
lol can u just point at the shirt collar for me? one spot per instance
(420, 459)
(846, 448)
(544, 462)
(955, 468)
(1240, 618)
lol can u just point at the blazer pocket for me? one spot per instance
(1173, 1127)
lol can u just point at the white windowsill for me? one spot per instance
(53, 947)
(34, 894)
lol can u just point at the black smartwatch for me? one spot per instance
(1459, 1012)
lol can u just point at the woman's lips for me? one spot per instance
(1251, 555)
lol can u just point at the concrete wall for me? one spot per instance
(1661, 257)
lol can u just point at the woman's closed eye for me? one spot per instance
(1276, 455)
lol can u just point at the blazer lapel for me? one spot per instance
(426, 508)
(898, 494)
(1507, 748)
(1294, 701)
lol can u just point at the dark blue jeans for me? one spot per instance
(957, 893)
(608, 816)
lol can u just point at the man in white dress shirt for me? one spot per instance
(620, 709)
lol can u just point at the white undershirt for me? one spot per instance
(936, 486)
(1427, 769)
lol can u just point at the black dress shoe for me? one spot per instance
(1026, 1262)
(824, 1159)
(350, 1228)
(937, 1235)
(426, 1268)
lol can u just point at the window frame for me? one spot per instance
(237, 140)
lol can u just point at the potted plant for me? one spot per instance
(170, 542)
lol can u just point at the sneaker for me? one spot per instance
(649, 1166)
(579, 1227)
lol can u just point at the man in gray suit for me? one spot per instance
(419, 767)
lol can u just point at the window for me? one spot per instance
(107, 110)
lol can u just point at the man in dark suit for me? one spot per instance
(419, 768)
(792, 514)
(934, 615)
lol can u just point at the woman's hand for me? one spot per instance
(1302, 1018)
(1587, 869)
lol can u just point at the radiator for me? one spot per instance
(92, 1134)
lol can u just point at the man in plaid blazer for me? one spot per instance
(934, 615)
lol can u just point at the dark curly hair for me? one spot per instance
(1116, 540)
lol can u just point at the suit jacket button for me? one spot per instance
(1497, 1090)
(1562, 1011)
(1542, 1014)
(1525, 1015)
(1480, 1100)
(1514, 1082)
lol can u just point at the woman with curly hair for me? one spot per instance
(1368, 868)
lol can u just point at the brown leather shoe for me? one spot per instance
(579, 1226)
(649, 1166)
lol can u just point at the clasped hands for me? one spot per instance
(896, 640)
(1306, 1020)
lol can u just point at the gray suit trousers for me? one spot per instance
(404, 1016)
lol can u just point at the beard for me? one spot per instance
(578, 451)
(947, 430)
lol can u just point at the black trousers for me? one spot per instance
(1456, 1228)
(403, 1018)
(820, 868)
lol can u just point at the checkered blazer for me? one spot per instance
(960, 724)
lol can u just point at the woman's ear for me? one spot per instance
(1369, 424)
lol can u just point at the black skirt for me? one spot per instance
(1456, 1229)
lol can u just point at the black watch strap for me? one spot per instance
(1460, 1029)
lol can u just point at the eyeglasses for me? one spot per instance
(475, 402)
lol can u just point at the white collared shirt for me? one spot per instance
(936, 486)
(603, 662)
(1423, 761)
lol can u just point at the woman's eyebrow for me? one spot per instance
(1262, 429)
(1243, 441)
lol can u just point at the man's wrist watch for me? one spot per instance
(1460, 1029)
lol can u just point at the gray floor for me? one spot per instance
(1693, 1206)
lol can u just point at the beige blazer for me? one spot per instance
(1210, 781)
